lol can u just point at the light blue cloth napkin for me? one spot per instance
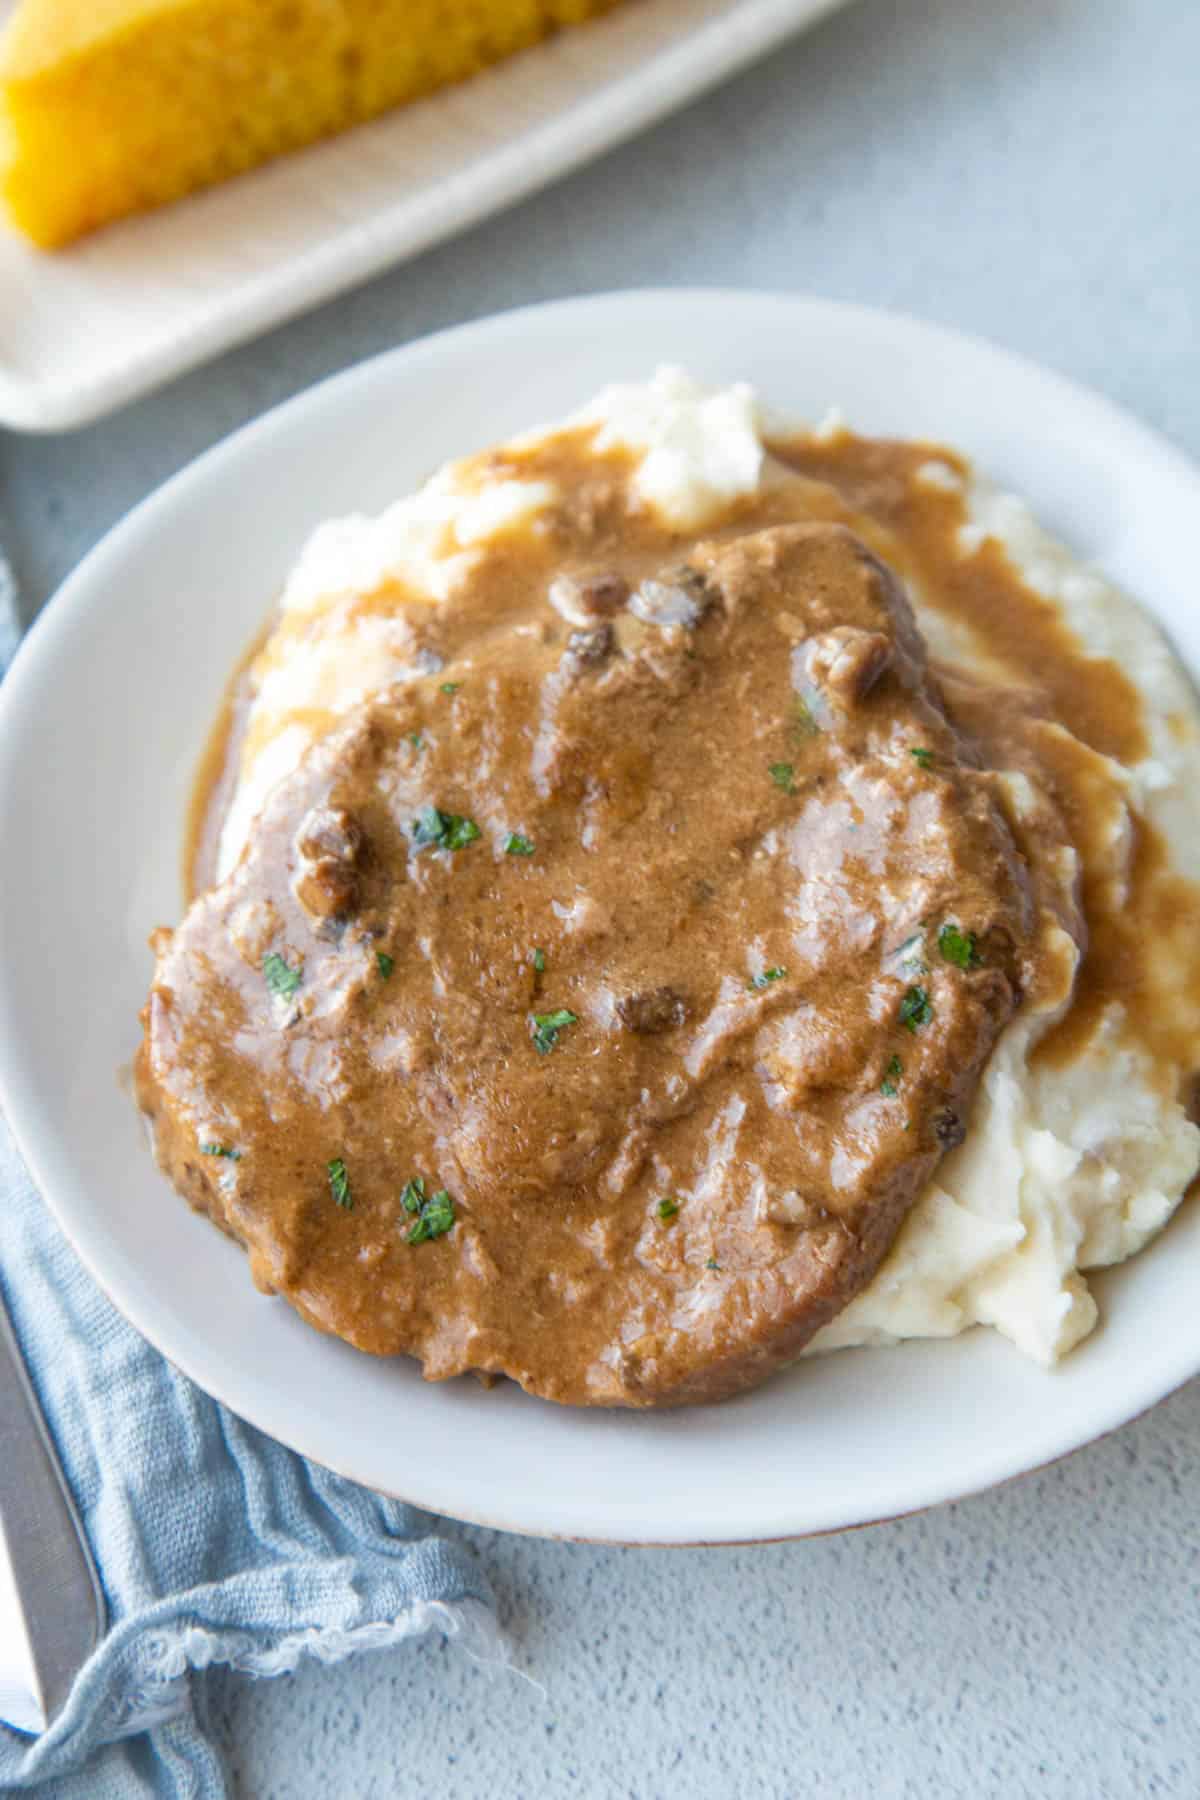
(215, 1545)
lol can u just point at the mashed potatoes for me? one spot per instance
(1069, 1164)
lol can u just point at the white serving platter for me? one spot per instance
(90, 327)
(101, 721)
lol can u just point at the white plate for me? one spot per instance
(88, 328)
(101, 720)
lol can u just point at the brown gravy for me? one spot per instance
(646, 913)
(1141, 943)
(700, 834)
(879, 479)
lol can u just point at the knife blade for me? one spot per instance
(52, 1610)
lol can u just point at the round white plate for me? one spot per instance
(101, 721)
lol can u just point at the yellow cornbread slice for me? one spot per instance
(111, 106)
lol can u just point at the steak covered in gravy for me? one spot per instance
(593, 1017)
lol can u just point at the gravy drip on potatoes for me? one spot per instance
(738, 880)
(1142, 922)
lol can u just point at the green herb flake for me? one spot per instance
(434, 1220)
(546, 1027)
(539, 961)
(416, 740)
(766, 978)
(666, 1210)
(712, 1263)
(445, 831)
(959, 947)
(784, 776)
(890, 1085)
(922, 757)
(516, 845)
(451, 687)
(916, 1009)
(804, 720)
(280, 976)
(339, 1184)
(384, 963)
(412, 1197)
(220, 1150)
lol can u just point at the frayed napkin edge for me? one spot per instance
(192, 1649)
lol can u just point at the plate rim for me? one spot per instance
(74, 597)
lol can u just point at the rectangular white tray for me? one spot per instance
(86, 329)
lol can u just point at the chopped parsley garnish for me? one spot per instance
(516, 845)
(916, 1009)
(923, 757)
(712, 1263)
(416, 740)
(339, 1184)
(804, 721)
(546, 1027)
(666, 1210)
(279, 975)
(385, 963)
(451, 687)
(434, 1218)
(784, 776)
(890, 1084)
(766, 978)
(448, 831)
(460, 831)
(412, 1197)
(539, 961)
(959, 947)
(220, 1150)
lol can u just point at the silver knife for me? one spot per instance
(51, 1601)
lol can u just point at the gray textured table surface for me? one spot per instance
(1029, 170)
